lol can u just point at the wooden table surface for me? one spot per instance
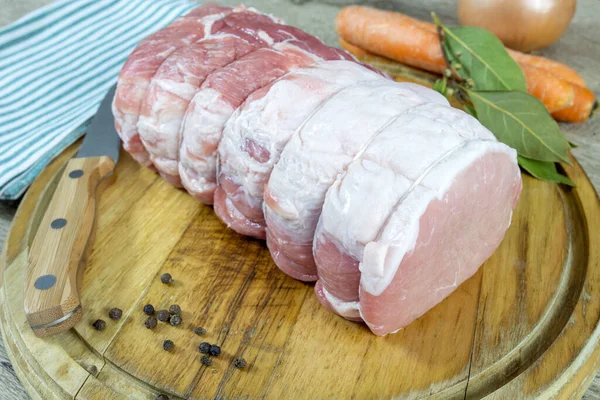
(579, 48)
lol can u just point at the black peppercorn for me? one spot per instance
(149, 309)
(115, 313)
(166, 278)
(175, 320)
(199, 331)
(214, 350)
(168, 345)
(206, 360)
(204, 347)
(162, 397)
(163, 315)
(151, 322)
(239, 363)
(93, 370)
(99, 324)
(175, 309)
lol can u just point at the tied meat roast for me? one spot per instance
(379, 191)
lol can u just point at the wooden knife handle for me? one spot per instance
(52, 303)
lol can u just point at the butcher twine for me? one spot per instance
(56, 65)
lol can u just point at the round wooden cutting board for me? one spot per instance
(526, 325)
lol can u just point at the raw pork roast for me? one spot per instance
(379, 191)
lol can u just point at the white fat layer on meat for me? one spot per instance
(288, 45)
(215, 111)
(205, 121)
(129, 127)
(181, 89)
(120, 118)
(161, 131)
(347, 309)
(431, 130)
(382, 257)
(264, 36)
(162, 126)
(168, 50)
(389, 169)
(269, 119)
(128, 119)
(209, 20)
(184, 89)
(359, 202)
(327, 143)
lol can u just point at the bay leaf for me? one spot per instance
(481, 56)
(522, 122)
(544, 170)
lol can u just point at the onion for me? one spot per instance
(523, 25)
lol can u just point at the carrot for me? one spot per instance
(581, 109)
(554, 67)
(390, 34)
(361, 14)
(413, 42)
(581, 100)
(556, 94)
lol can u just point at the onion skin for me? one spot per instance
(523, 25)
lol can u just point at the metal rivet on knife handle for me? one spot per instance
(45, 282)
(77, 173)
(58, 223)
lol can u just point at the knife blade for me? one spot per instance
(101, 138)
(60, 247)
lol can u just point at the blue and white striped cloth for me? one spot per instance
(56, 64)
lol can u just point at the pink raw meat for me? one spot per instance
(179, 77)
(435, 174)
(419, 137)
(379, 190)
(257, 132)
(222, 92)
(316, 154)
(143, 63)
